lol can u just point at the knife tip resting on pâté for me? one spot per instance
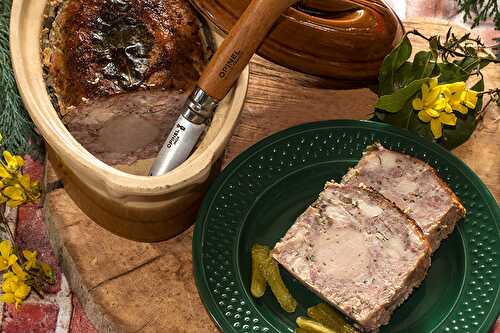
(363, 245)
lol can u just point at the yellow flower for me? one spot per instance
(455, 86)
(16, 195)
(439, 101)
(47, 271)
(30, 259)
(35, 190)
(4, 174)
(471, 99)
(13, 162)
(456, 101)
(19, 271)
(436, 123)
(7, 258)
(15, 290)
(430, 94)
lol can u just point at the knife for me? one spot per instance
(217, 79)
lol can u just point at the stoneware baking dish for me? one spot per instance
(136, 207)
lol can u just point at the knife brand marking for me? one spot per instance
(228, 67)
(175, 135)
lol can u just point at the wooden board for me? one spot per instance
(137, 287)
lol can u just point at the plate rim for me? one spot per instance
(197, 247)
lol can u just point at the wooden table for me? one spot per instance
(136, 287)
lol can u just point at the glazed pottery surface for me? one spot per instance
(136, 207)
(336, 38)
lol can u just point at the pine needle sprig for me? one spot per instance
(481, 11)
(15, 123)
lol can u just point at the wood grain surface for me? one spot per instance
(137, 287)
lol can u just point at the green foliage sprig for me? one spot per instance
(407, 87)
(15, 123)
(480, 11)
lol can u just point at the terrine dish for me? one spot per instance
(137, 207)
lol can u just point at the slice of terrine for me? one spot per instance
(413, 186)
(357, 251)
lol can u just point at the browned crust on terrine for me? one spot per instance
(446, 224)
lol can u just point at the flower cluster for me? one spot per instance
(439, 102)
(15, 187)
(19, 276)
(20, 273)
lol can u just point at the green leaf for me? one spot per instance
(423, 65)
(407, 118)
(396, 101)
(451, 72)
(468, 64)
(392, 62)
(403, 76)
(15, 123)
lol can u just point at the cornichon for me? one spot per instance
(300, 330)
(258, 284)
(270, 271)
(312, 326)
(330, 317)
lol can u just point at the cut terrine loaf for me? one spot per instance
(413, 186)
(357, 251)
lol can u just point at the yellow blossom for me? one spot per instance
(15, 290)
(7, 258)
(436, 123)
(471, 99)
(15, 194)
(4, 174)
(47, 271)
(12, 162)
(438, 102)
(35, 190)
(19, 271)
(30, 259)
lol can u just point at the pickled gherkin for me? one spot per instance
(270, 270)
(312, 326)
(300, 330)
(258, 284)
(272, 275)
(330, 317)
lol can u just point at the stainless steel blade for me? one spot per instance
(179, 144)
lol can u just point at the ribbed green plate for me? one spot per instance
(260, 193)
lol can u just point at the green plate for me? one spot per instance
(259, 195)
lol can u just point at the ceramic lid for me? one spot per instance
(341, 39)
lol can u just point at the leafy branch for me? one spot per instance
(428, 95)
(480, 11)
(454, 46)
(15, 123)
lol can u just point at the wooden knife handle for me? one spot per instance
(239, 46)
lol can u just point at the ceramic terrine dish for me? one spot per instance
(103, 82)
